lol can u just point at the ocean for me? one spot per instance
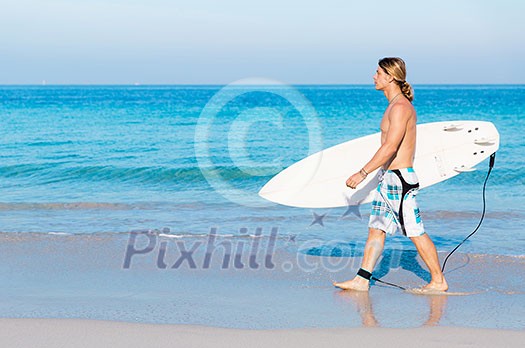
(112, 159)
(86, 169)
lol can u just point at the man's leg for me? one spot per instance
(373, 249)
(427, 250)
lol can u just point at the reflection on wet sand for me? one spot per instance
(363, 302)
(437, 305)
(364, 305)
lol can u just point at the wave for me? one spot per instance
(313, 247)
(49, 143)
(32, 206)
(470, 215)
(66, 206)
(46, 173)
(52, 173)
(163, 233)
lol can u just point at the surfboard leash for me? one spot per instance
(387, 283)
(491, 165)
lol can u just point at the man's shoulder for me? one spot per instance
(402, 109)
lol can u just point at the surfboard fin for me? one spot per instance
(453, 127)
(484, 141)
(463, 169)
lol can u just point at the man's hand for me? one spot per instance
(355, 180)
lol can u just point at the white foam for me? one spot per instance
(170, 235)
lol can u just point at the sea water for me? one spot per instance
(112, 159)
(112, 195)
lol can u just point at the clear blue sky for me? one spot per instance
(294, 41)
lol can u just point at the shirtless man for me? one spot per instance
(394, 206)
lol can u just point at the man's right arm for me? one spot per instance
(398, 118)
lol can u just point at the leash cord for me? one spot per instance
(387, 283)
(491, 165)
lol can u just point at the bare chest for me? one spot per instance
(384, 125)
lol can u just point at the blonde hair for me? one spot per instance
(396, 68)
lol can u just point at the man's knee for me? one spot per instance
(419, 239)
(374, 233)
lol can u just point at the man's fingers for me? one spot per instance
(350, 182)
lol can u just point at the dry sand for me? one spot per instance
(77, 333)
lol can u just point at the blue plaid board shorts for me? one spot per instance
(394, 205)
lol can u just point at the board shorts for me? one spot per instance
(394, 204)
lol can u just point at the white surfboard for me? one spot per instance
(443, 150)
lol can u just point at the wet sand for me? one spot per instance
(23, 333)
(84, 276)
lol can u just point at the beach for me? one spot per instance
(281, 285)
(141, 150)
(116, 231)
(91, 334)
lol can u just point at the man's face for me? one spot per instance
(381, 79)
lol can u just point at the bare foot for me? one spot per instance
(357, 284)
(435, 287)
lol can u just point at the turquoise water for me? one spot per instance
(83, 166)
(112, 159)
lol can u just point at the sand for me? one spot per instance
(78, 333)
(82, 276)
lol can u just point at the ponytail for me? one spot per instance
(407, 90)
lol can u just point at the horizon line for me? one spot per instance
(261, 84)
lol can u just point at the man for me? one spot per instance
(394, 206)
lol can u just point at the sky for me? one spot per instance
(292, 41)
